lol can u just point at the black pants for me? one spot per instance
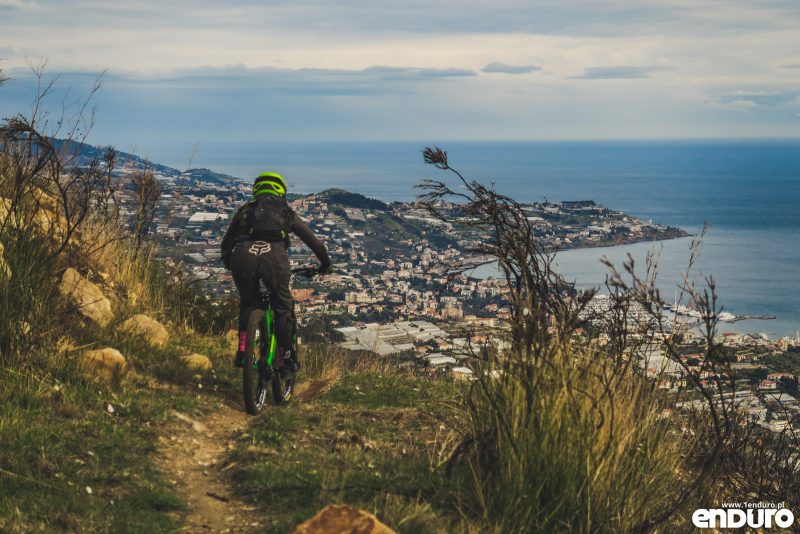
(257, 261)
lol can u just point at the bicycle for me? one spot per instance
(261, 358)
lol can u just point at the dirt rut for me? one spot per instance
(193, 457)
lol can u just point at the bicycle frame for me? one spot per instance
(260, 365)
(270, 348)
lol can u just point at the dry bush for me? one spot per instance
(59, 209)
(565, 431)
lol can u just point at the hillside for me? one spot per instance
(122, 411)
(190, 176)
(352, 200)
(84, 153)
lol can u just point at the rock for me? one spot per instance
(105, 364)
(49, 215)
(86, 296)
(5, 270)
(197, 362)
(149, 329)
(342, 519)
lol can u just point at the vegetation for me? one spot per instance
(353, 200)
(363, 434)
(75, 452)
(564, 432)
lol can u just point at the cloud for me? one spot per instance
(30, 5)
(738, 104)
(757, 98)
(374, 72)
(308, 81)
(394, 69)
(246, 82)
(617, 73)
(404, 73)
(510, 69)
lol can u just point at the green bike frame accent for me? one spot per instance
(273, 342)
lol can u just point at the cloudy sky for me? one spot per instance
(202, 71)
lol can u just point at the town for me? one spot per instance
(395, 293)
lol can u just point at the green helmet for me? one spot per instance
(269, 183)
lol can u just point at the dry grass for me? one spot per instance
(564, 450)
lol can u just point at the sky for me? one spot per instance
(181, 73)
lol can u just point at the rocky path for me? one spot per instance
(193, 457)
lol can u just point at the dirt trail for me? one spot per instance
(192, 455)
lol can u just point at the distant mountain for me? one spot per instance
(207, 175)
(352, 200)
(85, 153)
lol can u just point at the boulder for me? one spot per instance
(45, 217)
(5, 270)
(86, 296)
(104, 364)
(197, 362)
(342, 519)
(149, 329)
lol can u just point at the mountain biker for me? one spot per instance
(254, 249)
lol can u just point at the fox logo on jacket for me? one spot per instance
(260, 247)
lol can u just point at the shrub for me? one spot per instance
(564, 431)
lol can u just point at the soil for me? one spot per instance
(193, 455)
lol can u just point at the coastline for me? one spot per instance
(744, 292)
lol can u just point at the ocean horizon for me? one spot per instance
(748, 192)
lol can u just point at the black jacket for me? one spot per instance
(239, 231)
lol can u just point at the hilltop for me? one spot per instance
(346, 199)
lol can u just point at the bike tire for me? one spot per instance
(283, 386)
(254, 372)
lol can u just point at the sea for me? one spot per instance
(746, 192)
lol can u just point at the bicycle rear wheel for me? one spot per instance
(254, 373)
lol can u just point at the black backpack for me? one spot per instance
(270, 218)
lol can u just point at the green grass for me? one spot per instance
(371, 390)
(369, 442)
(57, 438)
